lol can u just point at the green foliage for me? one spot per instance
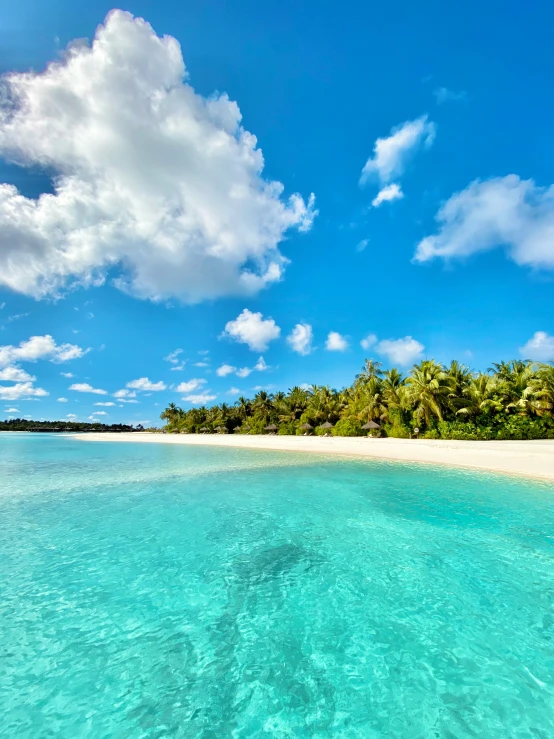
(348, 427)
(512, 400)
(23, 424)
(397, 431)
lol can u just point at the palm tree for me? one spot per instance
(480, 396)
(262, 404)
(427, 390)
(543, 388)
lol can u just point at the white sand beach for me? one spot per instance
(529, 458)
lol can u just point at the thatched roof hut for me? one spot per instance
(327, 425)
(370, 425)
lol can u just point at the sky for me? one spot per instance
(200, 200)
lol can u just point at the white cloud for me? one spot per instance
(71, 415)
(335, 342)
(252, 329)
(369, 341)
(260, 366)
(124, 394)
(540, 347)
(444, 95)
(391, 154)
(150, 177)
(127, 400)
(15, 374)
(190, 385)
(234, 391)
(387, 195)
(99, 413)
(178, 367)
(69, 375)
(362, 245)
(38, 347)
(400, 351)
(106, 405)
(204, 352)
(225, 369)
(505, 211)
(300, 339)
(62, 400)
(84, 387)
(200, 399)
(201, 364)
(144, 384)
(21, 391)
(172, 356)
(10, 410)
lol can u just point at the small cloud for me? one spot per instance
(10, 410)
(178, 367)
(84, 387)
(143, 384)
(99, 413)
(369, 341)
(444, 95)
(362, 245)
(200, 399)
(387, 195)
(335, 342)
(400, 351)
(233, 391)
(172, 356)
(190, 385)
(225, 369)
(69, 375)
(252, 329)
(201, 364)
(62, 400)
(15, 374)
(300, 339)
(107, 404)
(124, 394)
(540, 347)
(71, 415)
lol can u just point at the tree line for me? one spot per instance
(512, 400)
(24, 424)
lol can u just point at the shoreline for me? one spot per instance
(532, 459)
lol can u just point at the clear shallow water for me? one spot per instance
(161, 591)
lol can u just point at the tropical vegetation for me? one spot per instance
(512, 400)
(24, 424)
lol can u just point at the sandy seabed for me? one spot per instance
(529, 458)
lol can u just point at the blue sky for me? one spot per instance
(138, 217)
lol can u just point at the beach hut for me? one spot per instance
(372, 426)
(327, 426)
(306, 428)
(272, 428)
(204, 430)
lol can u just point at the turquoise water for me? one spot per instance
(159, 591)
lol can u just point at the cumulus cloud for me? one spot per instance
(505, 211)
(368, 341)
(152, 180)
(11, 410)
(336, 342)
(122, 394)
(190, 385)
(21, 391)
(69, 375)
(108, 404)
(38, 347)
(400, 351)
(99, 413)
(84, 387)
(200, 399)
(300, 339)
(540, 347)
(62, 400)
(143, 384)
(15, 374)
(252, 329)
(387, 194)
(225, 369)
(391, 154)
(233, 391)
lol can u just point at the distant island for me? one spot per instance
(512, 400)
(23, 424)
